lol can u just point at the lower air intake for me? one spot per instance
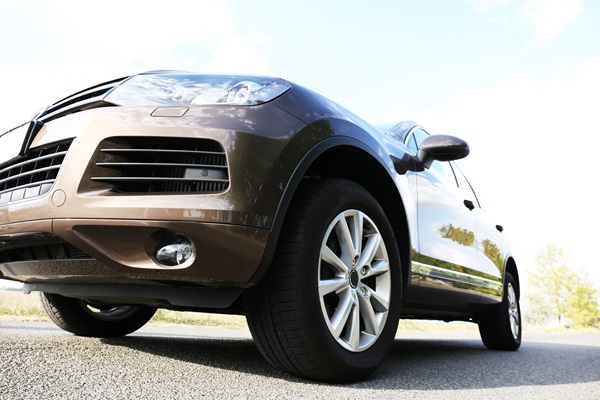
(162, 165)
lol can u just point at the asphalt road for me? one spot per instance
(39, 361)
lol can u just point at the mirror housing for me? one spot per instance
(442, 148)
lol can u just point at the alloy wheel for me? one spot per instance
(354, 280)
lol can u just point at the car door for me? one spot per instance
(490, 241)
(445, 259)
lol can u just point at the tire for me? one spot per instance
(329, 306)
(502, 329)
(83, 319)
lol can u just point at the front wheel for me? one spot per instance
(329, 306)
(83, 318)
(502, 329)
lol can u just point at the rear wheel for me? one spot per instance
(328, 308)
(502, 329)
(87, 319)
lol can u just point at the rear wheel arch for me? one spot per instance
(511, 267)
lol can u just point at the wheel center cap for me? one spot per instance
(353, 278)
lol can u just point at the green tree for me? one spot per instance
(562, 291)
(583, 305)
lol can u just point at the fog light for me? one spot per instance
(175, 250)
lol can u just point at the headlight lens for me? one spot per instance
(243, 92)
(188, 89)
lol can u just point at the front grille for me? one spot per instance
(33, 175)
(38, 247)
(84, 100)
(162, 165)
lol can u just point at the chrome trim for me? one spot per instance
(89, 98)
(454, 276)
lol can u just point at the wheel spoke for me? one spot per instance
(357, 232)
(345, 239)
(340, 317)
(379, 267)
(514, 325)
(332, 285)
(380, 303)
(368, 314)
(511, 297)
(353, 328)
(370, 250)
(332, 259)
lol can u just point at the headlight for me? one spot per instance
(189, 89)
(243, 92)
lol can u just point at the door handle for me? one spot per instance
(469, 204)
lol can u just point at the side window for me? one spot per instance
(465, 186)
(445, 170)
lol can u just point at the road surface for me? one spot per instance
(39, 361)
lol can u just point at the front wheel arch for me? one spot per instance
(341, 157)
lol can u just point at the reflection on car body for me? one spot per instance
(256, 196)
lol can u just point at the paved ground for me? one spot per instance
(182, 362)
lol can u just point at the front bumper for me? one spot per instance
(122, 251)
(82, 231)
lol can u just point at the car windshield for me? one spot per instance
(188, 89)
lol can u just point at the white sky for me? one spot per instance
(518, 79)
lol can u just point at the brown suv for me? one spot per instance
(249, 195)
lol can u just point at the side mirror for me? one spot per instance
(442, 148)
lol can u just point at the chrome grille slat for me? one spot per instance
(79, 106)
(78, 97)
(162, 165)
(41, 158)
(152, 165)
(83, 100)
(46, 182)
(29, 173)
(190, 152)
(154, 179)
(34, 175)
